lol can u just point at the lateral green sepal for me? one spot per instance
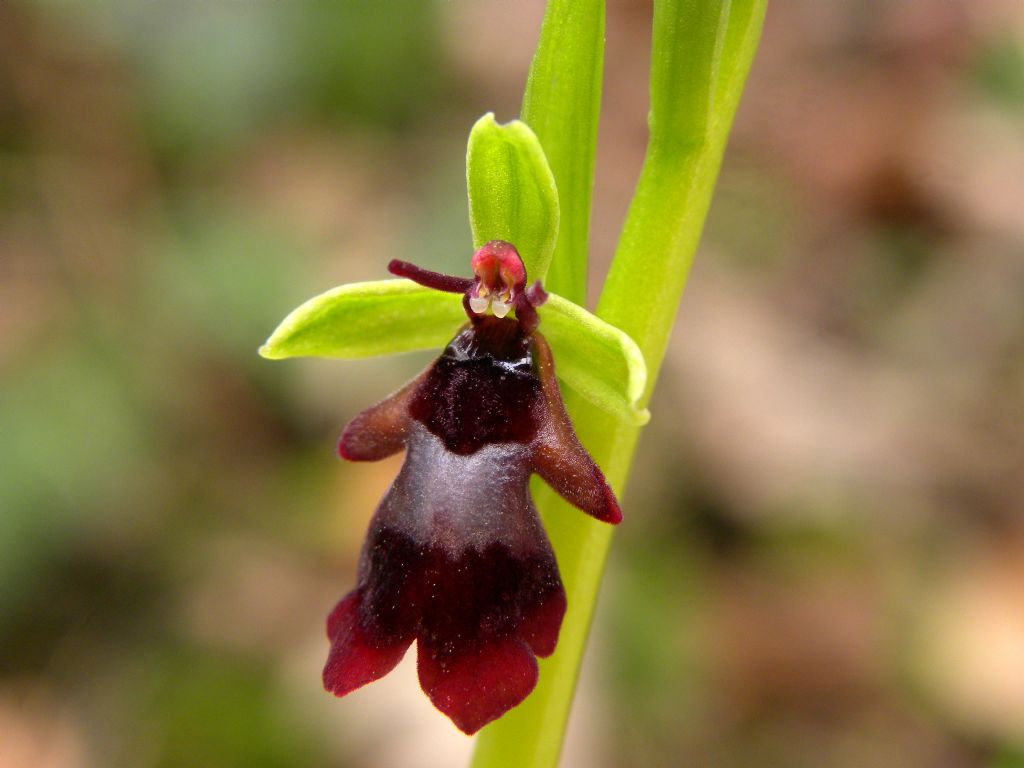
(355, 320)
(600, 362)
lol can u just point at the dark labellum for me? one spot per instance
(455, 557)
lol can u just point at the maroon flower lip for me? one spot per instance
(455, 557)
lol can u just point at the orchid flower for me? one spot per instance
(456, 557)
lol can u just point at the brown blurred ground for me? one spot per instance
(823, 559)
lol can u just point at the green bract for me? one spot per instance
(384, 317)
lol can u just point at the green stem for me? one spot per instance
(701, 54)
(702, 51)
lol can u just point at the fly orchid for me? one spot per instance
(456, 558)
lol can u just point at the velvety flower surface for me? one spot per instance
(456, 558)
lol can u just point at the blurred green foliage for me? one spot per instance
(225, 712)
(211, 74)
(999, 70)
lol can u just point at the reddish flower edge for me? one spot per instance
(479, 620)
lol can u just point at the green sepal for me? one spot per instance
(355, 320)
(596, 359)
(512, 193)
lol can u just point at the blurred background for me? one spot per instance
(823, 558)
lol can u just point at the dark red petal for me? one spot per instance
(559, 457)
(380, 430)
(474, 687)
(428, 279)
(541, 624)
(353, 662)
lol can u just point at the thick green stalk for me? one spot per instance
(701, 54)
